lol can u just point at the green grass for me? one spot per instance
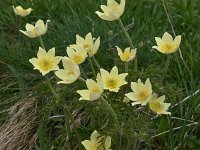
(69, 18)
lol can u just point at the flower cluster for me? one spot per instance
(85, 48)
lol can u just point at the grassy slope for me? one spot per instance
(69, 18)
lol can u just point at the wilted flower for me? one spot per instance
(70, 73)
(167, 45)
(112, 11)
(95, 89)
(113, 81)
(141, 92)
(46, 61)
(157, 104)
(21, 11)
(34, 31)
(97, 142)
(90, 44)
(77, 53)
(127, 55)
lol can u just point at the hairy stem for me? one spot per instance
(172, 27)
(112, 112)
(129, 41)
(92, 67)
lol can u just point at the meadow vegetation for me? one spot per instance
(32, 118)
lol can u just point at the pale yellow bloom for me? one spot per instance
(113, 81)
(112, 11)
(34, 31)
(127, 55)
(97, 142)
(70, 73)
(157, 104)
(77, 53)
(167, 45)
(141, 92)
(95, 89)
(21, 11)
(90, 44)
(46, 61)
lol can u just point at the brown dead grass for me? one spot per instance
(20, 131)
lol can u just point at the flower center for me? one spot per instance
(45, 64)
(95, 90)
(112, 83)
(77, 59)
(126, 56)
(156, 106)
(142, 95)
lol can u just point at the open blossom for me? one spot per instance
(70, 73)
(113, 81)
(97, 142)
(34, 31)
(21, 11)
(157, 104)
(46, 61)
(167, 45)
(112, 11)
(77, 53)
(127, 55)
(95, 89)
(141, 92)
(90, 44)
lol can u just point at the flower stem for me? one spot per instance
(83, 72)
(172, 27)
(92, 67)
(129, 41)
(126, 67)
(97, 64)
(114, 117)
(167, 63)
(69, 115)
(82, 79)
(50, 86)
(41, 42)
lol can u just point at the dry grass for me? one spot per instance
(20, 131)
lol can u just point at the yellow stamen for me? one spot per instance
(112, 83)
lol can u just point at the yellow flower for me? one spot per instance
(77, 53)
(141, 92)
(97, 142)
(90, 44)
(113, 81)
(34, 31)
(157, 104)
(70, 73)
(21, 11)
(167, 45)
(112, 11)
(95, 89)
(46, 61)
(127, 55)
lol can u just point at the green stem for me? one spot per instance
(83, 72)
(41, 42)
(82, 79)
(129, 41)
(172, 27)
(167, 63)
(69, 115)
(62, 105)
(114, 117)
(97, 64)
(92, 67)
(126, 67)
(50, 86)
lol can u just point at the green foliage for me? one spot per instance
(68, 18)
